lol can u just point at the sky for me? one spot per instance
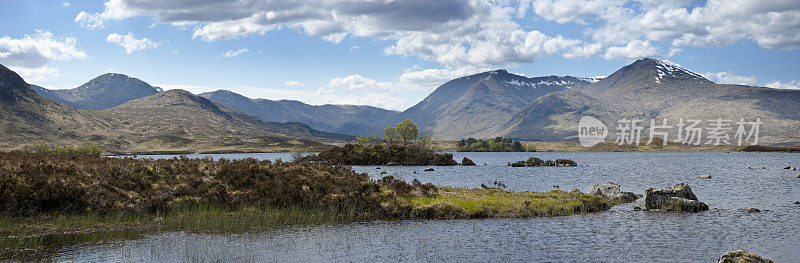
(389, 54)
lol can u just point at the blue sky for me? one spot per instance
(389, 54)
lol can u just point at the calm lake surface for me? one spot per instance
(620, 234)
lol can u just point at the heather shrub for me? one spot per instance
(33, 183)
(86, 148)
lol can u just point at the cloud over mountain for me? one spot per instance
(30, 55)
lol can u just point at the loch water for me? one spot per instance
(618, 235)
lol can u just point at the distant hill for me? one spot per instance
(103, 92)
(479, 105)
(175, 120)
(344, 119)
(26, 117)
(654, 89)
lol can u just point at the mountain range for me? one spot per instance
(169, 121)
(344, 119)
(484, 105)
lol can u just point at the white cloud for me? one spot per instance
(114, 10)
(430, 79)
(481, 33)
(293, 83)
(674, 51)
(324, 91)
(65, 4)
(234, 53)
(130, 43)
(454, 33)
(730, 78)
(30, 55)
(633, 50)
(353, 48)
(357, 82)
(32, 75)
(795, 84)
(770, 24)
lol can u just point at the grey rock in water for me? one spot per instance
(429, 170)
(790, 168)
(612, 193)
(467, 162)
(704, 176)
(575, 190)
(749, 210)
(678, 198)
(741, 256)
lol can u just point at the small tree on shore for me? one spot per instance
(405, 131)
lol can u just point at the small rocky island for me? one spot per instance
(536, 162)
(400, 145)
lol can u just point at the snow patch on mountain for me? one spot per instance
(667, 68)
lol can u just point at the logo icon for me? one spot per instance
(591, 131)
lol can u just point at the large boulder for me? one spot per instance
(612, 193)
(466, 161)
(740, 256)
(678, 198)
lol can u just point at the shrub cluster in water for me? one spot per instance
(498, 144)
(381, 154)
(32, 183)
(539, 162)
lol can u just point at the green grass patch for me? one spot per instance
(481, 203)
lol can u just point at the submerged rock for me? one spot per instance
(466, 162)
(612, 193)
(749, 210)
(740, 256)
(704, 176)
(678, 198)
